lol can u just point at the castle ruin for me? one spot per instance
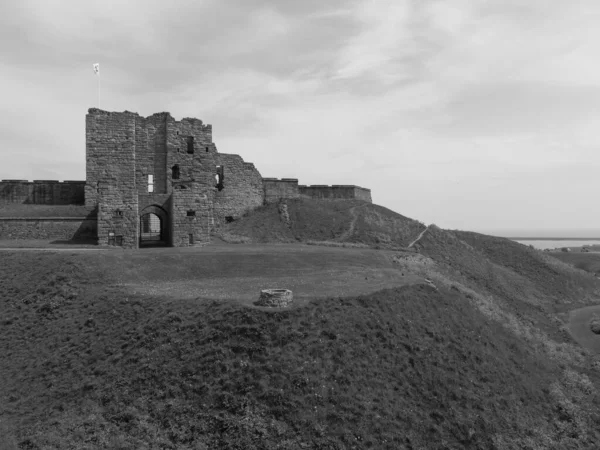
(158, 180)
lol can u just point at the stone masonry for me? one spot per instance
(158, 181)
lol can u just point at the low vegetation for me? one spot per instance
(590, 262)
(347, 221)
(469, 350)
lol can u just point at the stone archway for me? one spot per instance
(154, 227)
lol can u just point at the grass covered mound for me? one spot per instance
(538, 267)
(351, 221)
(527, 278)
(86, 367)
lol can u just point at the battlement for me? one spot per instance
(42, 192)
(186, 121)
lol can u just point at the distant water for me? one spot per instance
(558, 243)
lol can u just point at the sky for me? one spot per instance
(479, 115)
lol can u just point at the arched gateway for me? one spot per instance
(154, 226)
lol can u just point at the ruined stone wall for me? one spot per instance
(191, 216)
(110, 169)
(276, 189)
(196, 167)
(241, 188)
(42, 192)
(335, 192)
(191, 156)
(63, 228)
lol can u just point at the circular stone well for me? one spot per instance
(275, 298)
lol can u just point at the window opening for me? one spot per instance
(219, 177)
(191, 236)
(119, 240)
(191, 213)
(190, 145)
(175, 172)
(150, 183)
(206, 149)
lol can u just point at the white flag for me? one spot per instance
(97, 69)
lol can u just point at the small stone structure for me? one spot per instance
(275, 298)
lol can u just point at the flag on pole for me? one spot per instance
(97, 68)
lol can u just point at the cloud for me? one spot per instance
(442, 107)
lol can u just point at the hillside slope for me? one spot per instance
(470, 352)
(85, 367)
(351, 221)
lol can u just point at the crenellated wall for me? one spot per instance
(42, 192)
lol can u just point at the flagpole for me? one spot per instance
(96, 67)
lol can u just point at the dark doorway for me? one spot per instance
(153, 227)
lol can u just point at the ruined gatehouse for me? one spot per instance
(159, 180)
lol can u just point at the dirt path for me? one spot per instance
(419, 237)
(346, 234)
(579, 327)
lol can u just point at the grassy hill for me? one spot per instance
(162, 349)
(324, 221)
(590, 262)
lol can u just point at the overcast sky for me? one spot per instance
(471, 114)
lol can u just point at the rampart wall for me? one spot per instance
(335, 191)
(60, 228)
(42, 192)
(276, 189)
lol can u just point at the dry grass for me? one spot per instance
(161, 348)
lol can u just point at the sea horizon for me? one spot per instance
(544, 234)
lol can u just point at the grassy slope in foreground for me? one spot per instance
(397, 368)
(86, 367)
